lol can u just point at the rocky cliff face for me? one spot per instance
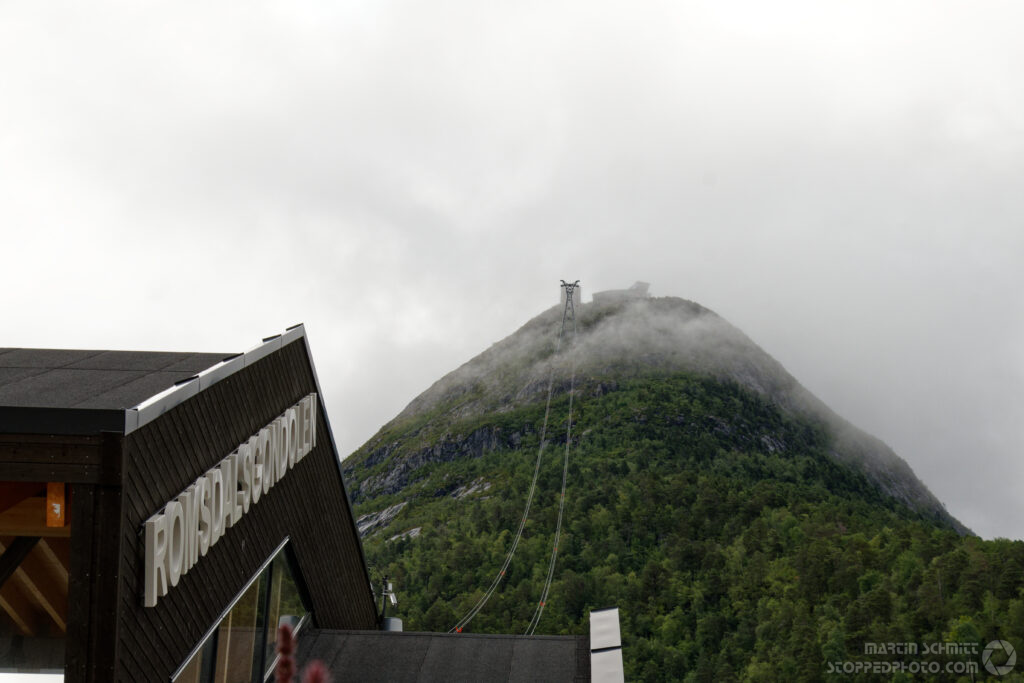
(618, 340)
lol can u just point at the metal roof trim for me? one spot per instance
(41, 420)
(262, 350)
(293, 333)
(158, 404)
(225, 368)
(131, 420)
(155, 406)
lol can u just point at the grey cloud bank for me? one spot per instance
(622, 335)
(842, 183)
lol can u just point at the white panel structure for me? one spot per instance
(604, 629)
(606, 667)
(606, 647)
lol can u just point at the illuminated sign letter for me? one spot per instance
(257, 468)
(230, 479)
(266, 445)
(156, 549)
(205, 515)
(292, 445)
(215, 484)
(245, 476)
(175, 541)
(190, 524)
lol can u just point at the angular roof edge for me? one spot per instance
(28, 420)
(155, 406)
(74, 421)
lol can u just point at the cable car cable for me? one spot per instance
(461, 624)
(561, 500)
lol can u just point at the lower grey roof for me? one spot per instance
(388, 656)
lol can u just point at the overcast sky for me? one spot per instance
(842, 181)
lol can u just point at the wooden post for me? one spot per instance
(56, 509)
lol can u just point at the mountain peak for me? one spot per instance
(626, 334)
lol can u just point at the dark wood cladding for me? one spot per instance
(73, 459)
(92, 644)
(308, 505)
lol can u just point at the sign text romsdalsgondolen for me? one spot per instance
(187, 527)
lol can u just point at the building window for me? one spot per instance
(242, 647)
(35, 544)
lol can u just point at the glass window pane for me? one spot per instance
(292, 609)
(286, 604)
(244, 645)
(275, 607)
(261, 624)
(33, 621)
(190, 674)
(200, 669)
(236, 639)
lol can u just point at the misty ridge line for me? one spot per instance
(646, 337)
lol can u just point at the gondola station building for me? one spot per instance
(161, 514)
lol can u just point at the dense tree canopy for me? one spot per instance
(734, 544)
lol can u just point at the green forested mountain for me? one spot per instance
(744, 530)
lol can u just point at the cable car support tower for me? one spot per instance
(568, 323)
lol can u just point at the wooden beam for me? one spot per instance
(18, 608)
(44, 587)
(13, 492)
(56, 553)
(14, 555)
(28, 518)
(36, 458)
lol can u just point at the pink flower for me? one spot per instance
(285, 669)
(316, 672)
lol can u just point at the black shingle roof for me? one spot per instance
(384, 656)
(73, 391)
